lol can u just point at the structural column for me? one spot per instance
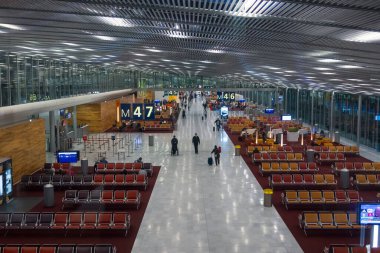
(312, 110)
(52, 131)
(276, 100)
(286, 101)
(358, 129)
(75, 122)
(332, 115)
(298, 104)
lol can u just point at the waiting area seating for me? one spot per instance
(123, 168)
(55, 248)
(367, 181)
(107, 181)
(357, 167)
(349, 248)
(277, 157)
(274, 148)
(303, 181)
(330, 157)
(78, 223)
(325, 199)
(102, 198)
(267, 168)
(322, 221)
(347, 150)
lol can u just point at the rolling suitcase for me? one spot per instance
(210, 161)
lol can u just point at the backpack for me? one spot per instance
(220, 149)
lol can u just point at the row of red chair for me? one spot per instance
(251, 149)
(277, 157)
(123, 168)
(347, 248)
(285, 167)
(85, 182)
(63, 166)
(106, 198)
(357, 167)
(313, 222)
(66, 223)
(325, 199)
(299, 181)
(55, 248)
(329, 157)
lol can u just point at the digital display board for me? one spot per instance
(125, 111)
(269, 111)
(224, 112)
(286, 117)
(377, 117)
(368, 213)
(68, 157)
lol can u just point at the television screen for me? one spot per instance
(269, 111)
(377, 117)
(286, 117)
(68, 157)
(368, 213)
(68, 115)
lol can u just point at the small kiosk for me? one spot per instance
(6, 180)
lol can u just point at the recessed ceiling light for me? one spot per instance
(364, 37)
(329, 60)
(102, 37)
(270, 67)
(350, 67)
(70, 44)
(206, 61)
(1, 31)
(323, 69)
(140, 54)
(166, 60)
(116, 21)
(321, 53)
(328, 73)
(154, 50)
(10, 26)
(215, 51)
(290, 71)
(355, 80)
(86, 49)
(336, 80)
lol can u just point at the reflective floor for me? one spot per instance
(195, 207)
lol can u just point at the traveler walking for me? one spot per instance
(174, 146)
(196, 142)
(216, 155)
(218, 123)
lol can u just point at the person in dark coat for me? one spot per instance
(218, 123)
(196, 142)
(216, 155)
(174, 145)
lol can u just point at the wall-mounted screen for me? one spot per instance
(368, 213)
(269, 111)
(286, 117)
(68, 156)
(377, 117)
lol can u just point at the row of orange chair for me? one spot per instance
(299, 181)
(325, 199)
(285, 167)
(102, 198)
(323, 221)
(367, 181)
(250, 149)
(277, 157)
(66, 223)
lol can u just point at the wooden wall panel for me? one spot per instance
(90, 114)
(25, 144)
(108, 114)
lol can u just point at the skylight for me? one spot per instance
(10, 26)
(364, 37)
(116, 21)
(329, 60)
(350, 67)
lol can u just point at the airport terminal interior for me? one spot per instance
(216, 126)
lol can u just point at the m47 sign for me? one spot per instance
(137, 111)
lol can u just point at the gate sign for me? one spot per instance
(137, 112)
(149, 111)
(226, 96)
(219, 96)
(125, 111)
(232, 96)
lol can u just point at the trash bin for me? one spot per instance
(337, 137)
(48, 195)
(310, 155)
(151, 140)
(344, 178)
(237, 150)
(84, 166)
(268, 193)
